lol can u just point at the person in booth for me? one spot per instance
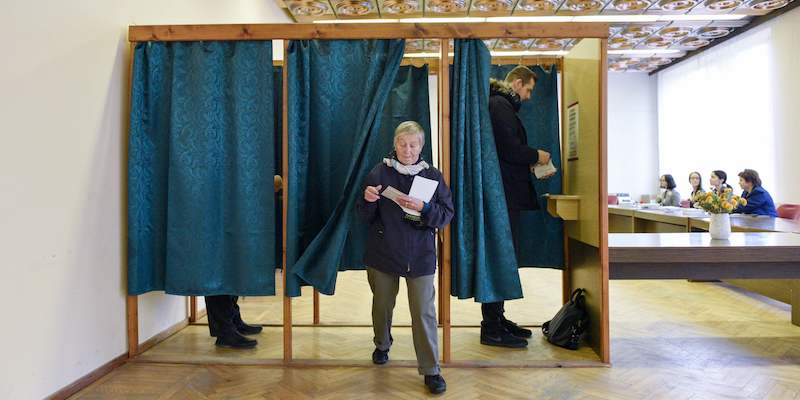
(224, 317)
(516, 159)
(759, 201)
(402, 243)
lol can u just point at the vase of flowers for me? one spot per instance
(720, 206)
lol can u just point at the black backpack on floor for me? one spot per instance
(569, 325)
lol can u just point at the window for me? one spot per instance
(715, 112)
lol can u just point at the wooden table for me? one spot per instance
(750, 223)
(746, 255)
(637, 220)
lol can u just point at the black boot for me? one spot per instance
(493, 333)
(380, 357)
(235, 341)
(516, 330)
(435, 384)
(246, 329)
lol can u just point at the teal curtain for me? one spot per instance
(484, 266)
(541, 235)
(337, 93)
(201, 217)
(408, 101)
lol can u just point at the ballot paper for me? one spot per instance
(543, 170)
(421, 188)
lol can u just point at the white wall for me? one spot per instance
(786, 123)
(632, 134)
(62, 120)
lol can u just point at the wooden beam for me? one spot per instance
(736, 32)
(602, 201)
(287, 301)
(485, 30)
(444, 148)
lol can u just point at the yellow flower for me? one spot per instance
(727, 206)
(742, 201)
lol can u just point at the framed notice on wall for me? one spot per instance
(573, 115)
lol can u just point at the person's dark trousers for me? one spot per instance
(222, 313)
(495, 311)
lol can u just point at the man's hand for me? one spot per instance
(544, 157)
(372, 193)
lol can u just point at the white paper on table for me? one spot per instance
(542, 170)
(392, 194)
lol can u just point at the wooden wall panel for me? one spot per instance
(581, 82)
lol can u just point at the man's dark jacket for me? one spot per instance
(512, 147)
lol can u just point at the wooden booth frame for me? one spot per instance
(444, 32)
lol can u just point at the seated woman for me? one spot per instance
(759, 201)
(403, 244)
(669, 196)
(697, 187)
(719, 182)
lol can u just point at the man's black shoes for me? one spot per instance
(235, 341)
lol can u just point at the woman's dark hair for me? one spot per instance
(750, 176)
(721, 175)
(700, 183)
(670, 181)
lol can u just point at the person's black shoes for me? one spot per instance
(380, 357)
(246, 329)
(435, 384)
(235, 341)
(516, 330)
(495, 334)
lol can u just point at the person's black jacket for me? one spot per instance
(511, 140)
(396, 245)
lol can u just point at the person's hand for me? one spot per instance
(544, 157)
(410, 202)
(372, 193)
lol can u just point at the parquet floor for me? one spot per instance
(670, 340)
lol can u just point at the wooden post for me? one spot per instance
(444, 148)
(566, 285)
(132, 311)
(132, 302)
(192, 309)
(316, 307)
(287, 301)
(440, 284)
(603, 202)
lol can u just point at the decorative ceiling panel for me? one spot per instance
(633, 46)
(400, 8)
(582, 7)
